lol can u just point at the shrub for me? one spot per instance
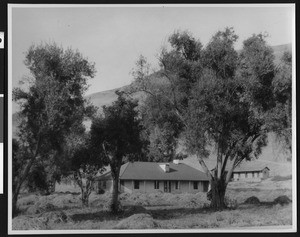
(219, 217)
(55, 217)
(282, 200)
(100, 191)
(252, 200)
(231, 203)
(124, 196)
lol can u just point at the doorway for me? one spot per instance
(167, 186)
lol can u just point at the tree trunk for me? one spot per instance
(86, 192)
(18, 186)
(114, 206)
(14, 204)
(86, 187)
(85, 198)
(218, 189)
(16, 191)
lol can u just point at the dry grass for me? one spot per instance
(137, 221)
(281, 178)
(157, 210)
(250, 216)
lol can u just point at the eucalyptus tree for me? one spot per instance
(116, 136)
(51, 105)
(218, 97)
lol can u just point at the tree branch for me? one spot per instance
(205, 168)
(105, 152)
(230, 171)
(27, 169)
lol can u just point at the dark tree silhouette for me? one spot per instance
(117, 137)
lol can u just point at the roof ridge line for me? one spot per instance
(124, 169)
(193, 168)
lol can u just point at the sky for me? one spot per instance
(114, 37)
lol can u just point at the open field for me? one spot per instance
(160, 210)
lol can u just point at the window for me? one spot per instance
(195, 185)
(104, 184)
(122, 182)
(156, 184)
(205, 186)
(176, 185)
(136, 184)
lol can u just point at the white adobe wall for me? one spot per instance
(257, 176)
(148, 187)
(144, 187)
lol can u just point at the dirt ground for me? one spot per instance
(63, 211)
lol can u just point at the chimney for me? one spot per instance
(176, 161)
(165, 167)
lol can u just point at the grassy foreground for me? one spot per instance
(63, 211)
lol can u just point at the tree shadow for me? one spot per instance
(95, 216)
(157, 213)
(173, 213)
(271, 204)
(160, 212)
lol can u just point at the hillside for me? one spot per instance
(279, 50)
(104, 97)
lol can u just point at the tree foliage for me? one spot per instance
(217, 99)
(279, 118)
(116, 137)
(83, 164)
(53, 104)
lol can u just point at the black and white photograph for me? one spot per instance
(158, 118)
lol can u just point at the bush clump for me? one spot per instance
(252, 200)
(282, 200)
(231, 203)
(55, 217)
(40, 208)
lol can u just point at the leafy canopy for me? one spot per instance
(51, 106)
(116, 135)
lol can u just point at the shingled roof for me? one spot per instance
(245, 166)
(153, 171)
(250, 167)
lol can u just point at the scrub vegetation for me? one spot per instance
(247, 207)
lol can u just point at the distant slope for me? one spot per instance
(279, 50)
(103, 97)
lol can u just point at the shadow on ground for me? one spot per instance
(157, 213)
(168, 212)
